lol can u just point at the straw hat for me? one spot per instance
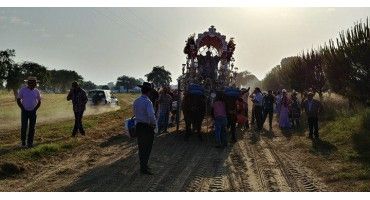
(31, 78)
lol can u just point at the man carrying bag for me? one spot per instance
(145, 125)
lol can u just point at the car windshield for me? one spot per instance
(96, 93)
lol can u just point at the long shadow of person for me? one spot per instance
(287, 133)
(322, 147)
(255, 137)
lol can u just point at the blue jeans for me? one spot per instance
(220, 130)
(163, 121)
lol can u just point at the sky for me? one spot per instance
(102, 44)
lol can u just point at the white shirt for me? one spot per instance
(143, 110)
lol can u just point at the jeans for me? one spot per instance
(220, 130)
(28, 116)
(313, 125)
(78, 123)
(145, 137)
(163, 121)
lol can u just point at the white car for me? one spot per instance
(101, 97)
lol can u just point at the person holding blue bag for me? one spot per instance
(145, 125)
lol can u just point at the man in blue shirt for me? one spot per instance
(145, 125)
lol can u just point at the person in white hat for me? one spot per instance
(29, 101)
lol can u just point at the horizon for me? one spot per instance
(102, 44)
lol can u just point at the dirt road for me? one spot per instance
(251, 164)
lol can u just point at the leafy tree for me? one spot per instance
(61, 80)
(347, 63)
(127, 82)
(88, 85)
(159, 76)
(273, 79)
(37, 70)
(6, 63)
(14, 79)
(104, 87)
(245, 79)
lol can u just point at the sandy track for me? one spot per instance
(251, 164)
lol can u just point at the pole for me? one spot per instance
(178, 105)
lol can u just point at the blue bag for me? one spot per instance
(196, 89)
(131, 127)
(232, 92)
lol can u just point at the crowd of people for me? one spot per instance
(158, 110)
(264, 105)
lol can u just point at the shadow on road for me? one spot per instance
(175, 162)
(322, 147)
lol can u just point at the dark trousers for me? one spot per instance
(145, 137)
(258, 116)
(28, 119)
(78, 123)
(246, 115)
(270, 113)
(231, 124)
(313, 125)
(253, 120)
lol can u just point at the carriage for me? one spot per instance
(209, 68)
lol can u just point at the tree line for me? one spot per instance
(342, 65)
(13, 74)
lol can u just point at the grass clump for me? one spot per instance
(46, 150)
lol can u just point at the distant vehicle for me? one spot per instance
(101, 97)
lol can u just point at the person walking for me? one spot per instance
(295, 110)
(268, 108)
(312, 108)
(257, 102)
(220, 119)
(29, 101)
(79, 100)
(164, 103)
(284, 122)
(145, 124)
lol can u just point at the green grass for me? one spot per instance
(348, 132)
(53, 136)
(54, 107)
(342, 156)
(45, 150)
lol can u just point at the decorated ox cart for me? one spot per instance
(209, 68)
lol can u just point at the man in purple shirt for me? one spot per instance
(28, 100)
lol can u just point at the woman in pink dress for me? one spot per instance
(284, 111)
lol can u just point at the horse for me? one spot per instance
(194, 110)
